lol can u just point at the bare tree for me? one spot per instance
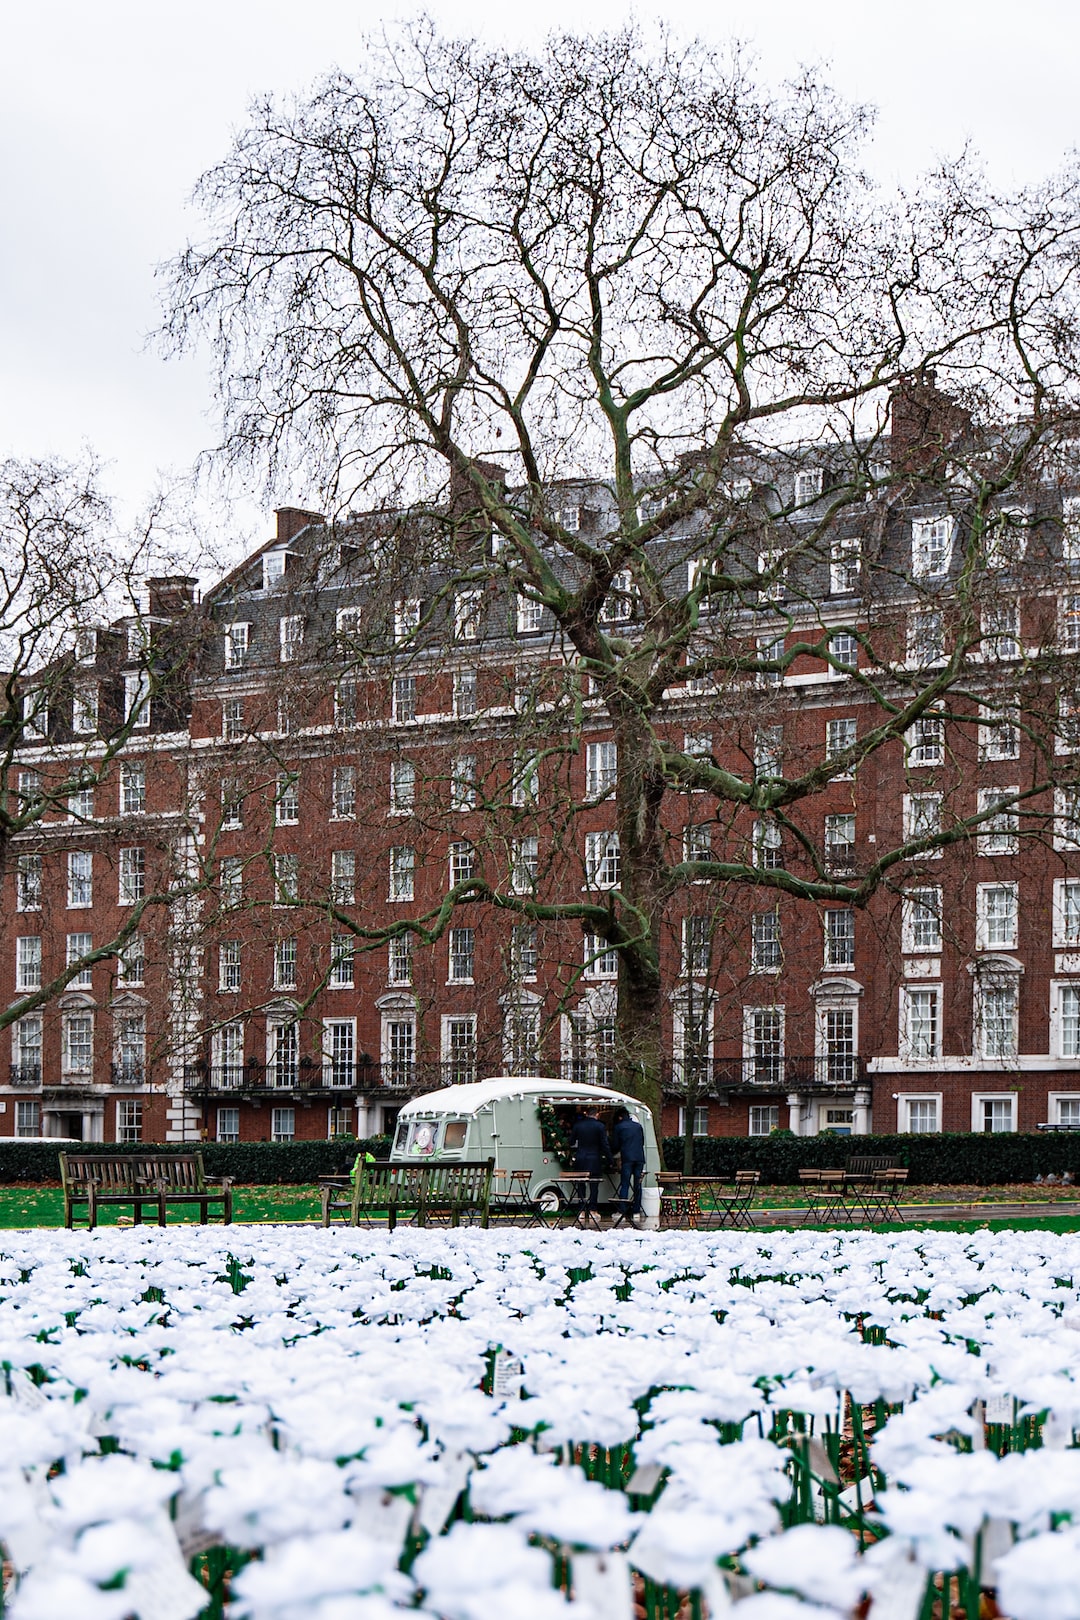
(605, 306)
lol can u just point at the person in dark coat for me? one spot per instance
(628, 1141)
(592, 1152)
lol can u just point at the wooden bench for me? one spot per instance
(138, 1179)
(424, 1193)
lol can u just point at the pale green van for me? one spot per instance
(520, 1121)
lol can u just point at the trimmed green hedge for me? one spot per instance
(989, 1160)
(249, 1163)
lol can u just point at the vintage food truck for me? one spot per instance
(522, 1122)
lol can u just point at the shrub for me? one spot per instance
(249, 1163)
(953, 1158)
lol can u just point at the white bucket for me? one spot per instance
(650, 1208)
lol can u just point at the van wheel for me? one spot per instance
(548, 1202)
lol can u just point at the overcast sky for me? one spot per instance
(110, 109)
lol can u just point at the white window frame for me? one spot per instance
(29, 873)
(753, 1056)
(334, 1049)
(903, 1111)
(980, 1098)
(407, 614)
(403, 700)
(524, 865)
(84, 707)
(808, 486)
(463, 783)
(1070, 529)
(457, 955)
(131, 876)
(908, 995)
(467, 615)
(458, 1056)
(402, 884)
(399, 959)
(342, 955)
(1062, 990)
(461, 861)
(932, 540)
(402, 787)
(286, 879)
(1003, 839)
(137, 700)
(227, 1124)
(232, 719)
(985, 897)
(601, 769)
(80, 881)
(283, 1123)
(756, 1121)
(286, 965)
(530, 616)
(237, 644)
(1000, 627)
(287, 799)
(994, 984)
(343, 877)
(464, 693)
(343, 793)
(845, 567)
(290, 637)
(1054, 1102)
(601, 960)
(28, 962)
(917, 825)
(766, 941)
(1067, 818)
(831, 938)
(230, 970)
(76, 946)
(925, 742)
(1000, 740)
(925, 638)
(603, 860)
(1066, 908)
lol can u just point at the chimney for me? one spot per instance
(923, 423)
(170, 595)
(463, 497)
(291, 519)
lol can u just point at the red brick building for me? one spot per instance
(325, 750)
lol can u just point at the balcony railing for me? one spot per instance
(26, 1075)
(829, 1069)
(129, 1072)
(330, 1079)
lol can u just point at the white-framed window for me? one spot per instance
(462, 861)
(342, 949)
(232, 881)
(1066, 913)
(999, 733)
(80, 884)
(461, 955)
(399, 955)
(618, 605)
(232, 805)
(129, 1048)
(1065, 1019)
(1065, 1108)
(931, 546)
(286, 880)
(1001, 631)
(28, 962)
(84, 708)
(696, 947)
(339, 1121)
(1070, 529)
(287, 799)
(768, 751)
(35, 714)
(467, 615)
(77, 1042)
(343, 877)
(131, 961)
(1005, 537)
(530, 616)
(347, 626)
(343, 793)
(285, 964)
(925, 637)
(1069, 621)
(767, 846)
(525, 781)
(403, 699)
(698, 744)
(524, 865)
(464, 693)
(523, 953)
(286, 713)
(86, 645)
(601, 768)
(996, 1007)
(922, 819)
(1067, 818)
(919, 1114)
(840, 840)
(463, 783)
(26, 1036)
(402, 787)
(699, 1119)
(132, 787)
(232, 719)
(29, 790)
(339, 1051)
(521, 1039)
(80, 804)
(766, 954)
(840, 735)
(228, 1125)
(920, 1022)
(996, 910)
(926, 741)
(229, 971)
(137, 699)
(283, 1124)
(697, 841)
(763, 1045)
(402, 872)
(27, 1117)
(808, 485)
(459, 1049)
(132, 877)
(839, 927)
(601, 962)
(845, 568)
(993, 1111)
(835, 1041)
(770, 650)
(345, 703)
(129, 1119)
(28, 870)
(999, 834)
(237, 643)
(78, 946)
(844, 651)
(227, 1055)
(273, 568)
(407, 614)
(764, 1119)
(398, 1050)
(603, 860)
(772, 572)
(291, 637)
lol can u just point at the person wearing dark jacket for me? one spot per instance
(628, 1141)
(592, 1153)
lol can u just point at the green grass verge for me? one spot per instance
(44, 1206)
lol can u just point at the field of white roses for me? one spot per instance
(292, 1424)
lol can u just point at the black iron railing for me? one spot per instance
(128, 1072)
(26, 1075)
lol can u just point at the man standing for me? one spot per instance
(628, 1140)
(592, 1153)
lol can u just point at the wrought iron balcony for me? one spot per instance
(309, 1076)
(27, 1076)
(824, 1071)
(129, 1072)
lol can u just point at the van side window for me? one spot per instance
(454, 1135)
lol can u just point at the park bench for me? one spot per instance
(138, 1179)
(424, 1193)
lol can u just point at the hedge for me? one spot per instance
(249, 1163)
(957, 1158)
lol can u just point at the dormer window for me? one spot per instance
(273, 564)
(808, 485)
(931, 547)
(86, 646)
(236, 645)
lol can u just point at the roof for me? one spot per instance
(470, 1099)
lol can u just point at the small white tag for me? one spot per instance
(507, 1375)
(901, 1594)
(820, 1465)
(1000, 1409)
(603, 1581)
(645, 1479)
(997, 1538)
(853, 1495)
(165, 1590)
